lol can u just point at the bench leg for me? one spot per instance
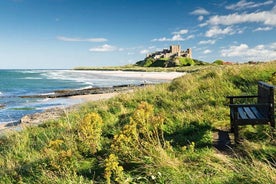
(231, 122)
(236, 133)
(273, 124)
(231, 126)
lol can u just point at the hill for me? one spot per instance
(169, 62)
(165, 133)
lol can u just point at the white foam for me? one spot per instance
(44, 100)
(33, 78)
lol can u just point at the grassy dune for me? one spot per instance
(159, 134)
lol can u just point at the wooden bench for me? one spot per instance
(261, 112)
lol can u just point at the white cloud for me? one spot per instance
(243, 4)
(207, 51)
(200, 11)
(205, 42)
(200, 18)
(68, 39)
(262, 29)
(182, 31)
(273, 46)
(163, 39)
(145, 51)
(244, 52)
(215, 31)
(104, 48)
(190, 37)
(176, 37)
(264, 17)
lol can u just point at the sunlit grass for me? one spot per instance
(157, 134)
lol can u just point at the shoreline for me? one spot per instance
(56, 112)
(82, 96)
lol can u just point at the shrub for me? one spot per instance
(89, 132)
(113, 171)
(186, 61)
(218, 62)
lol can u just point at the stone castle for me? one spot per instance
(174, 51)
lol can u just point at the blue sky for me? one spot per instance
(69, 33)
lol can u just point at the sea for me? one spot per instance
(16, 83)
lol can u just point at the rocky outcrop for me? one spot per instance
(95, 90)
(47, 115)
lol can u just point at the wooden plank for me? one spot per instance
(257, 113)
(249, 113)
(242, 113)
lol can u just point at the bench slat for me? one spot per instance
(257, 113)
(242, 114)
(249, 113)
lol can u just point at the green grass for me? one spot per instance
(157, 134)
(144, 69)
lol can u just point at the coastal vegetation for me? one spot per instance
(165, 133)
(169, 62)
(138, 68)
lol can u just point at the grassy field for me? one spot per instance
(159, 134)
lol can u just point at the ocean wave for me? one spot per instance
(33, 78)
(44, 99)
(28, 71)
(86, 87)
(8, 123)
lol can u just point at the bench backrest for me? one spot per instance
(266, 95)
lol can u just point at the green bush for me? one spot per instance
(218, 62)
(186, 61)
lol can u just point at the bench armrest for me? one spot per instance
(250, 105)
(243, 96)
(231, 98)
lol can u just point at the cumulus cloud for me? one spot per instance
(176, 37)
(215, 31)
(243, 4)
(70, 39)
(200, 18)
(104, 48)
(200, 11)
(165, 39)
(262, 29)
(207, 51)
(264, 17)
(244, 52)
(207, 42)
(182, 31)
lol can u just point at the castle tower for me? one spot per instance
(189, 53)
(175, 49)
